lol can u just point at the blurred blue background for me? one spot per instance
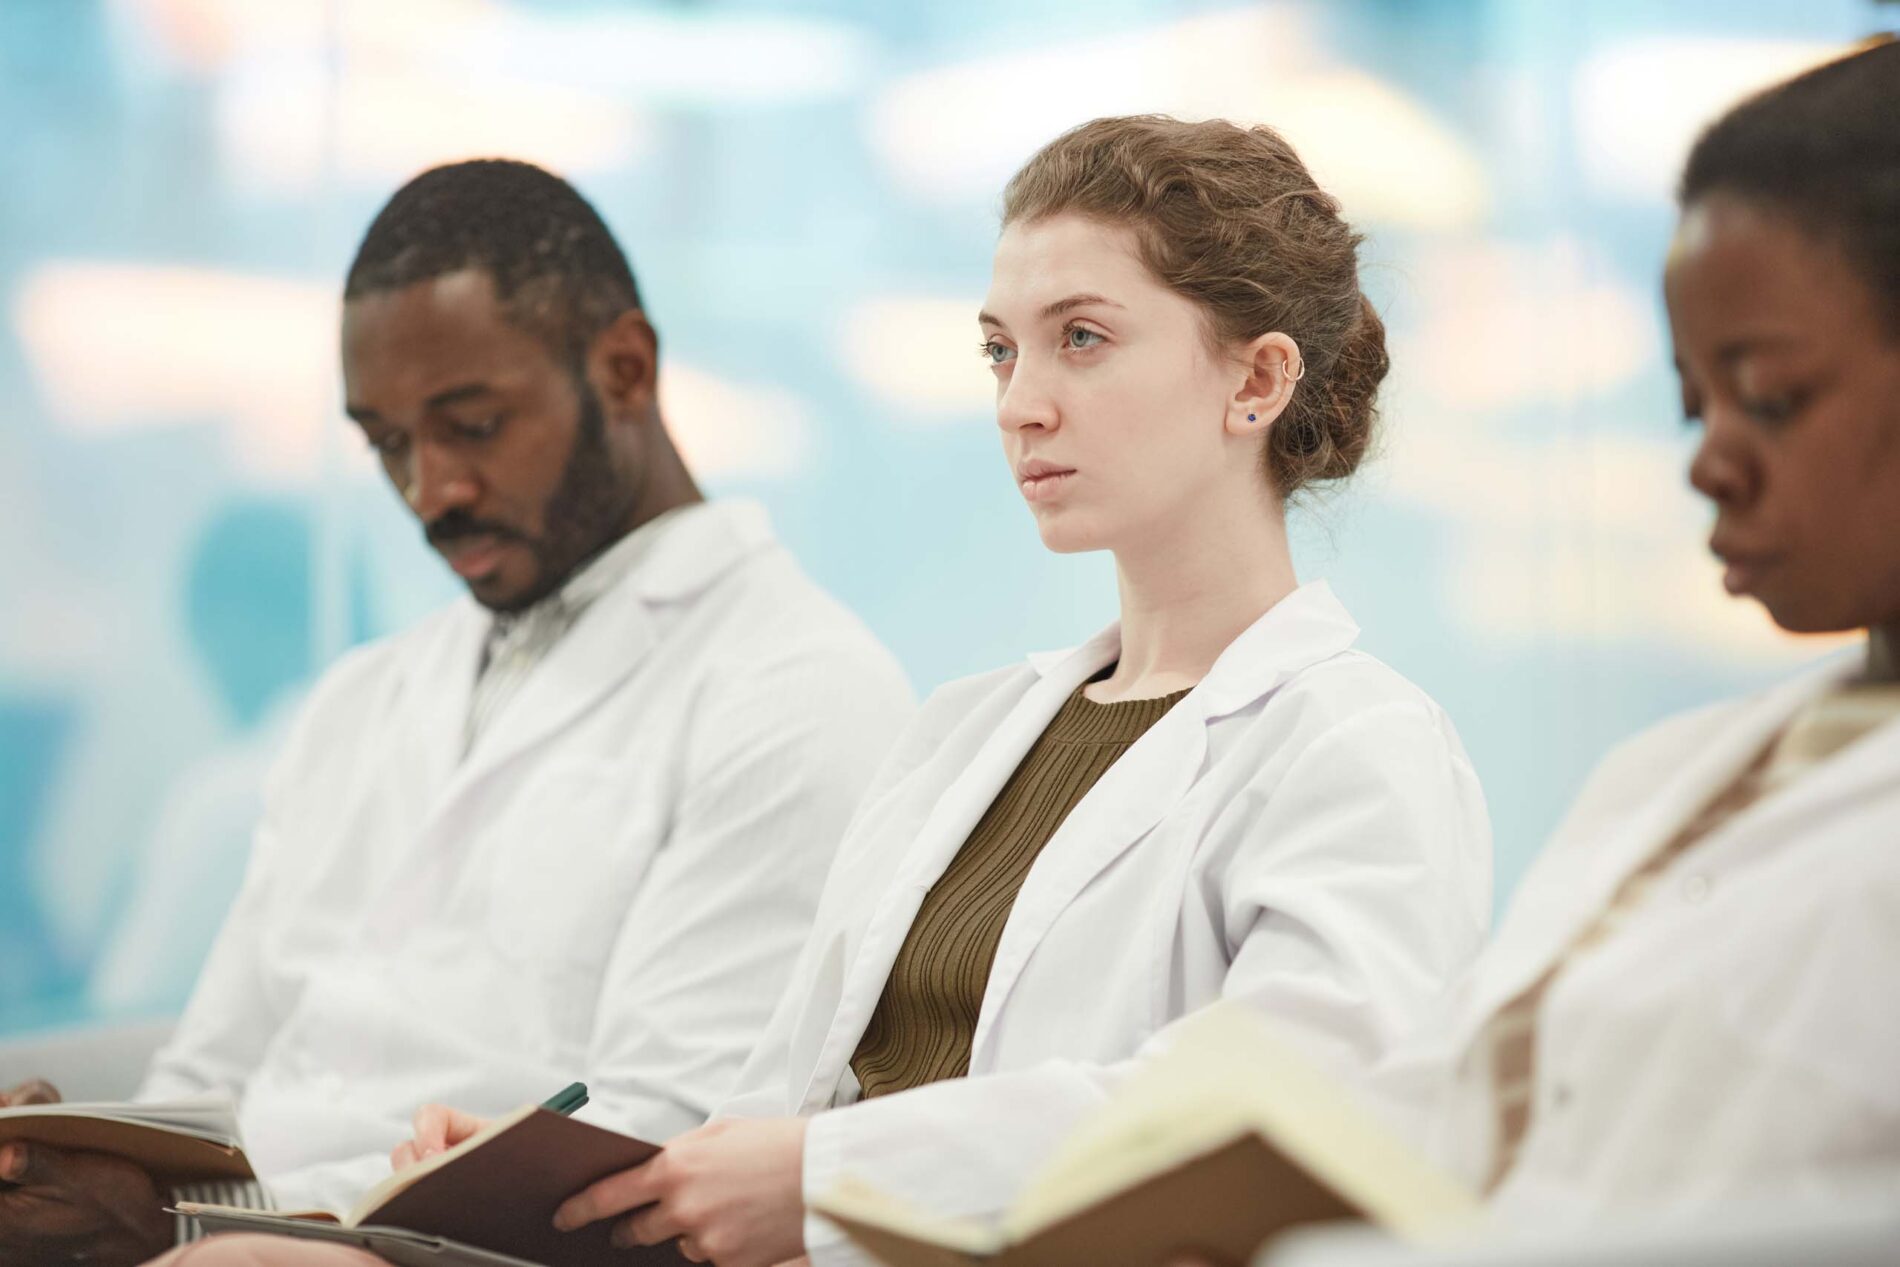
(191, 532)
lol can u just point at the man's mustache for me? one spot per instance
(455, 524)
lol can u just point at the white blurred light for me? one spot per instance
(631, 54)
(902, 349)
(1640, 104)
(730, 429)
(717, 61)
(119, 347)
(960, 131)
(1514, 324)
(1586, 538)
(1528, 590)
(204, 35)
(374, 91)
(287, 131)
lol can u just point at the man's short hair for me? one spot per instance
(556, 268)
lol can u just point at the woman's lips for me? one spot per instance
(1043, 486)
(1739, 576)
(1741, 573)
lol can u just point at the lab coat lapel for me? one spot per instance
(1866, 770)
(1152, 777)
(935, 845)
(612, 636)
(438, 690)
(1532, 939)
(617, 631)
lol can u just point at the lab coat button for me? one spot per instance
(1695, 889)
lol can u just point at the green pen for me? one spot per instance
(567, 1099)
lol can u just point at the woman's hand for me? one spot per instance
(732, 1191)
(437, 1128)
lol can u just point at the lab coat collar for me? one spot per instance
(614, 634)
(1305, 627)
(1136, 792)
(1149, 780)
(700, 546)
(1531, 941)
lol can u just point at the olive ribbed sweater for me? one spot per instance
(926, 1017)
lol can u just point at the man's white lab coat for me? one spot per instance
(610, 886)
(1302, 831)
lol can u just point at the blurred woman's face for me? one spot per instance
(1112, 410)
(1795, 378)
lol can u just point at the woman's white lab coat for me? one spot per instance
(1302, 831)
(1738, 1035)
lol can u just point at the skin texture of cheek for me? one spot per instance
(1840, 487)
(1149, 457)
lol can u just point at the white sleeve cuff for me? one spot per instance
(825, 1242)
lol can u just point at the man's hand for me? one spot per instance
(438, 1128)
(32, 1091)
(732, 1191)
(64, 1207)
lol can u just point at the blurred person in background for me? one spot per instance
(572, 826)
(248, 612)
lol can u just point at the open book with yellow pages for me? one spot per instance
(1222, 1141)
(489, 1200)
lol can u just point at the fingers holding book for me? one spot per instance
(730, 1191)
(437, 1128)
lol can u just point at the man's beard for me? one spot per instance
(587, 511)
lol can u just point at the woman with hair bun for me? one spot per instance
(1218, 797)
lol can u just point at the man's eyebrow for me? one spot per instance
(450, 395)
(447, 396)
(1056, 309)
(1735, 349)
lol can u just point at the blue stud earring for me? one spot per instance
(1250, 418)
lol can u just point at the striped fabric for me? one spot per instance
(244, 1194)
(924, 1022)
(518, 641)
(1816, 733)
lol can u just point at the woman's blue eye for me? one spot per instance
(1076, 338)
(995, 353)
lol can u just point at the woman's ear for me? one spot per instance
(1273, 365)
